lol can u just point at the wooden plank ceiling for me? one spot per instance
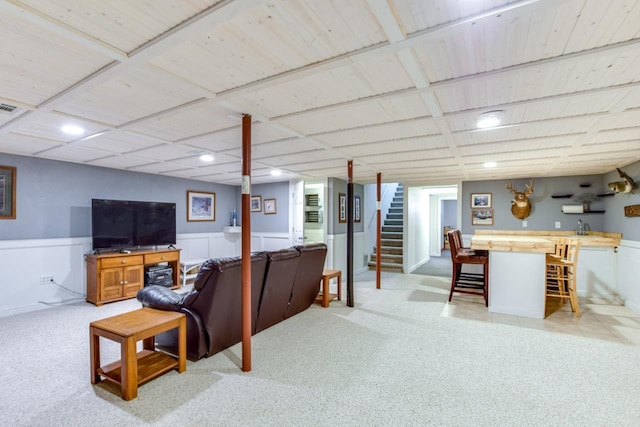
(394, 85)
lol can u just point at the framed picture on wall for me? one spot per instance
(480, 200)
(342, 207)
(356, 208)
(255, 204)
(7, 192)
(482, 217)
(201, 206)
(269, 206)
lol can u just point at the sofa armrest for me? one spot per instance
(159, 297)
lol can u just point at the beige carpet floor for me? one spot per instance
(402, 356)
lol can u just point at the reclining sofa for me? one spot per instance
(283, 284)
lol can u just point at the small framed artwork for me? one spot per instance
(256, 204)
(201, 206)
(482, 217)
(269, 206)
(480, 200)
(342, 207)
(356, 208)
(7, 192)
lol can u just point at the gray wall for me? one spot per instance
(545, 210)
(449, 213)
(54, 198)
(278, 223)
(337, 186)
(615, 221)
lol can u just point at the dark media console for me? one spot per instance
(117, 276)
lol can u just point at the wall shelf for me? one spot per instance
(232, 230)
(583, 213)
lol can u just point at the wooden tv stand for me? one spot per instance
(118, 276)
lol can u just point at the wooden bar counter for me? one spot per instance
(517, 264)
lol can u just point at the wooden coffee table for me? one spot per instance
(137, 368)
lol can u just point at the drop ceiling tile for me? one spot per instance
(24, 145)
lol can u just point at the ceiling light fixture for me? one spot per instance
(206, 158)
(72, 130)
(276, 172)
(490, 164)
(490, 119)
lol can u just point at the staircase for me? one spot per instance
(392, 236)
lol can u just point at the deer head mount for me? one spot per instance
(520, 205)
(627, 185)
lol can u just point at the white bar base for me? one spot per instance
(517, 283)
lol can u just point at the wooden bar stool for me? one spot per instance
(468, 283)
(561, 276)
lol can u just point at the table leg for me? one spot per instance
(129, 369)
(94, 351)
(149, 343)
(325, 291)
(339, 287)
(182, 345)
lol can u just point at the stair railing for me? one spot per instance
(385, 203)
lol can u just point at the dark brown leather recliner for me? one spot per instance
(278, 284)
(279, 280)
(306, 285)
(213, 307)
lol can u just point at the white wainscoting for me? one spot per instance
(337, 253)
(23, 262)
(628, 272)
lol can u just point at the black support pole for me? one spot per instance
(350, 235)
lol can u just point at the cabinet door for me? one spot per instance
(133, 280)
(111, 283)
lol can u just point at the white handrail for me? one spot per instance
(384, 202)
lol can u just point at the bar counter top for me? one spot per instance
(537, 241)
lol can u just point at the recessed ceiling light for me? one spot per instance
(490, 164)
(206, 158)
(72, 130)
(490, 119)
(276, 172)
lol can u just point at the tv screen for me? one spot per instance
(130, 224)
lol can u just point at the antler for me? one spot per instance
(510, 187)
(529, 189)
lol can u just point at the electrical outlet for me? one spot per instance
(558, 225)
(524, 224)
(45, 280)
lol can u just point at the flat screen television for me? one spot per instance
(126, 224)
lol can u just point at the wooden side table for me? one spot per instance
(327, 275)
(137, 368)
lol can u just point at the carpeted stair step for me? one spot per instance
(391, 242)
(396, 268)
(391, 235)
(393, 250)
(396, 222)
(395, 216)
(388, 259)
(392, 229)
